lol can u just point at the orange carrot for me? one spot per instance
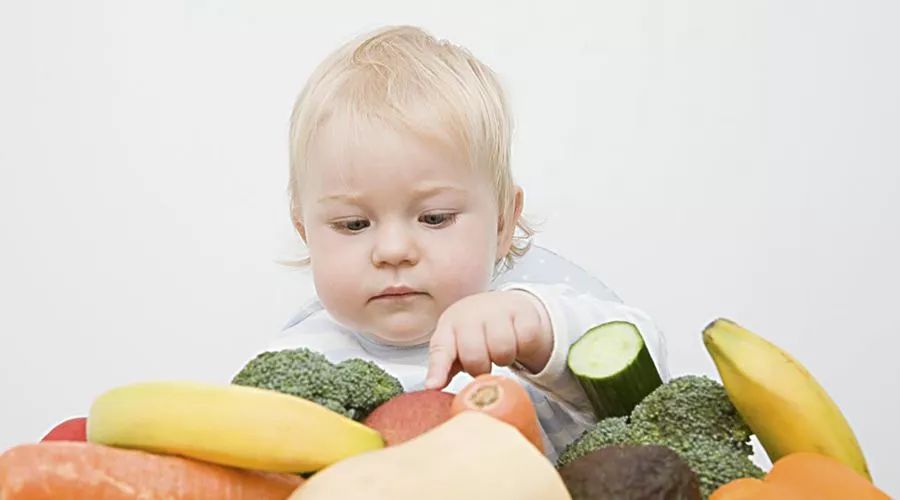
(502, 398)
(62, 469)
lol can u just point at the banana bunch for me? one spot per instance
(778, 398)
(229, 425)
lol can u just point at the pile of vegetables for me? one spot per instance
(690, 415)
(294, 425)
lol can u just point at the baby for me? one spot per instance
(401, 188)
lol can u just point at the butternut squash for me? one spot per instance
(471, 456)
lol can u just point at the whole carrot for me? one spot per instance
(62, 469)
(502, 398)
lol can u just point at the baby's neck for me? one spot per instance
(413, 342)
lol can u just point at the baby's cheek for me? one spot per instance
(463, 278)
(337, 287)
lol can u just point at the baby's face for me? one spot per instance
(397, 229)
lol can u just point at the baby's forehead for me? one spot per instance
(355, 153)
(411, 178)
(393, 174)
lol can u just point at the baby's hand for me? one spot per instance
(492, 327)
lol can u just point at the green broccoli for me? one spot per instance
(716, 463)
(691, 415)
(610, 431)
(692, 405)
(367, 385)
(352, 388)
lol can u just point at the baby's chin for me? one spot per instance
(402, 332)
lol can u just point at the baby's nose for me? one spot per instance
(395, 245)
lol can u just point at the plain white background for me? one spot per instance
(707, 158)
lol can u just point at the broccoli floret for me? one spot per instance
(298, 372)
(691, 405)
(366, 385)
(691, 415)
(608, 432)
(716, 463)
(352, 388)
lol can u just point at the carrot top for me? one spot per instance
(502, 398)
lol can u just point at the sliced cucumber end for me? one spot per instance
(605, 350)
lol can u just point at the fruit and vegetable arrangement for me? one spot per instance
(293, 425)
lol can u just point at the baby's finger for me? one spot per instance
(501, 341)
(441, 357)
(472, 349)
(527, 330)
(455, 368)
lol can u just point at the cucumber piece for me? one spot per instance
(614, 367)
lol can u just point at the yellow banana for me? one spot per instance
(778, 398)
(228, 425)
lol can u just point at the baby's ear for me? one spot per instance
(506, 226)
(298, 223)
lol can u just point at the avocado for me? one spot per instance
(634, 472)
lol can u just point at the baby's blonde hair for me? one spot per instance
(390, 76)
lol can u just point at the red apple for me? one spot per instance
(410, 414)
(73, 429)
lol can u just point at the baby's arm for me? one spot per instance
(572, 314)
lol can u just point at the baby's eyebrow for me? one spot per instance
(426, 191)
(344, 197)
(417, 194)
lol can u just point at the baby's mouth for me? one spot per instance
(397, 293)
(398, 296)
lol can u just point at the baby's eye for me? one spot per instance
(351, 225)
(438, 219)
